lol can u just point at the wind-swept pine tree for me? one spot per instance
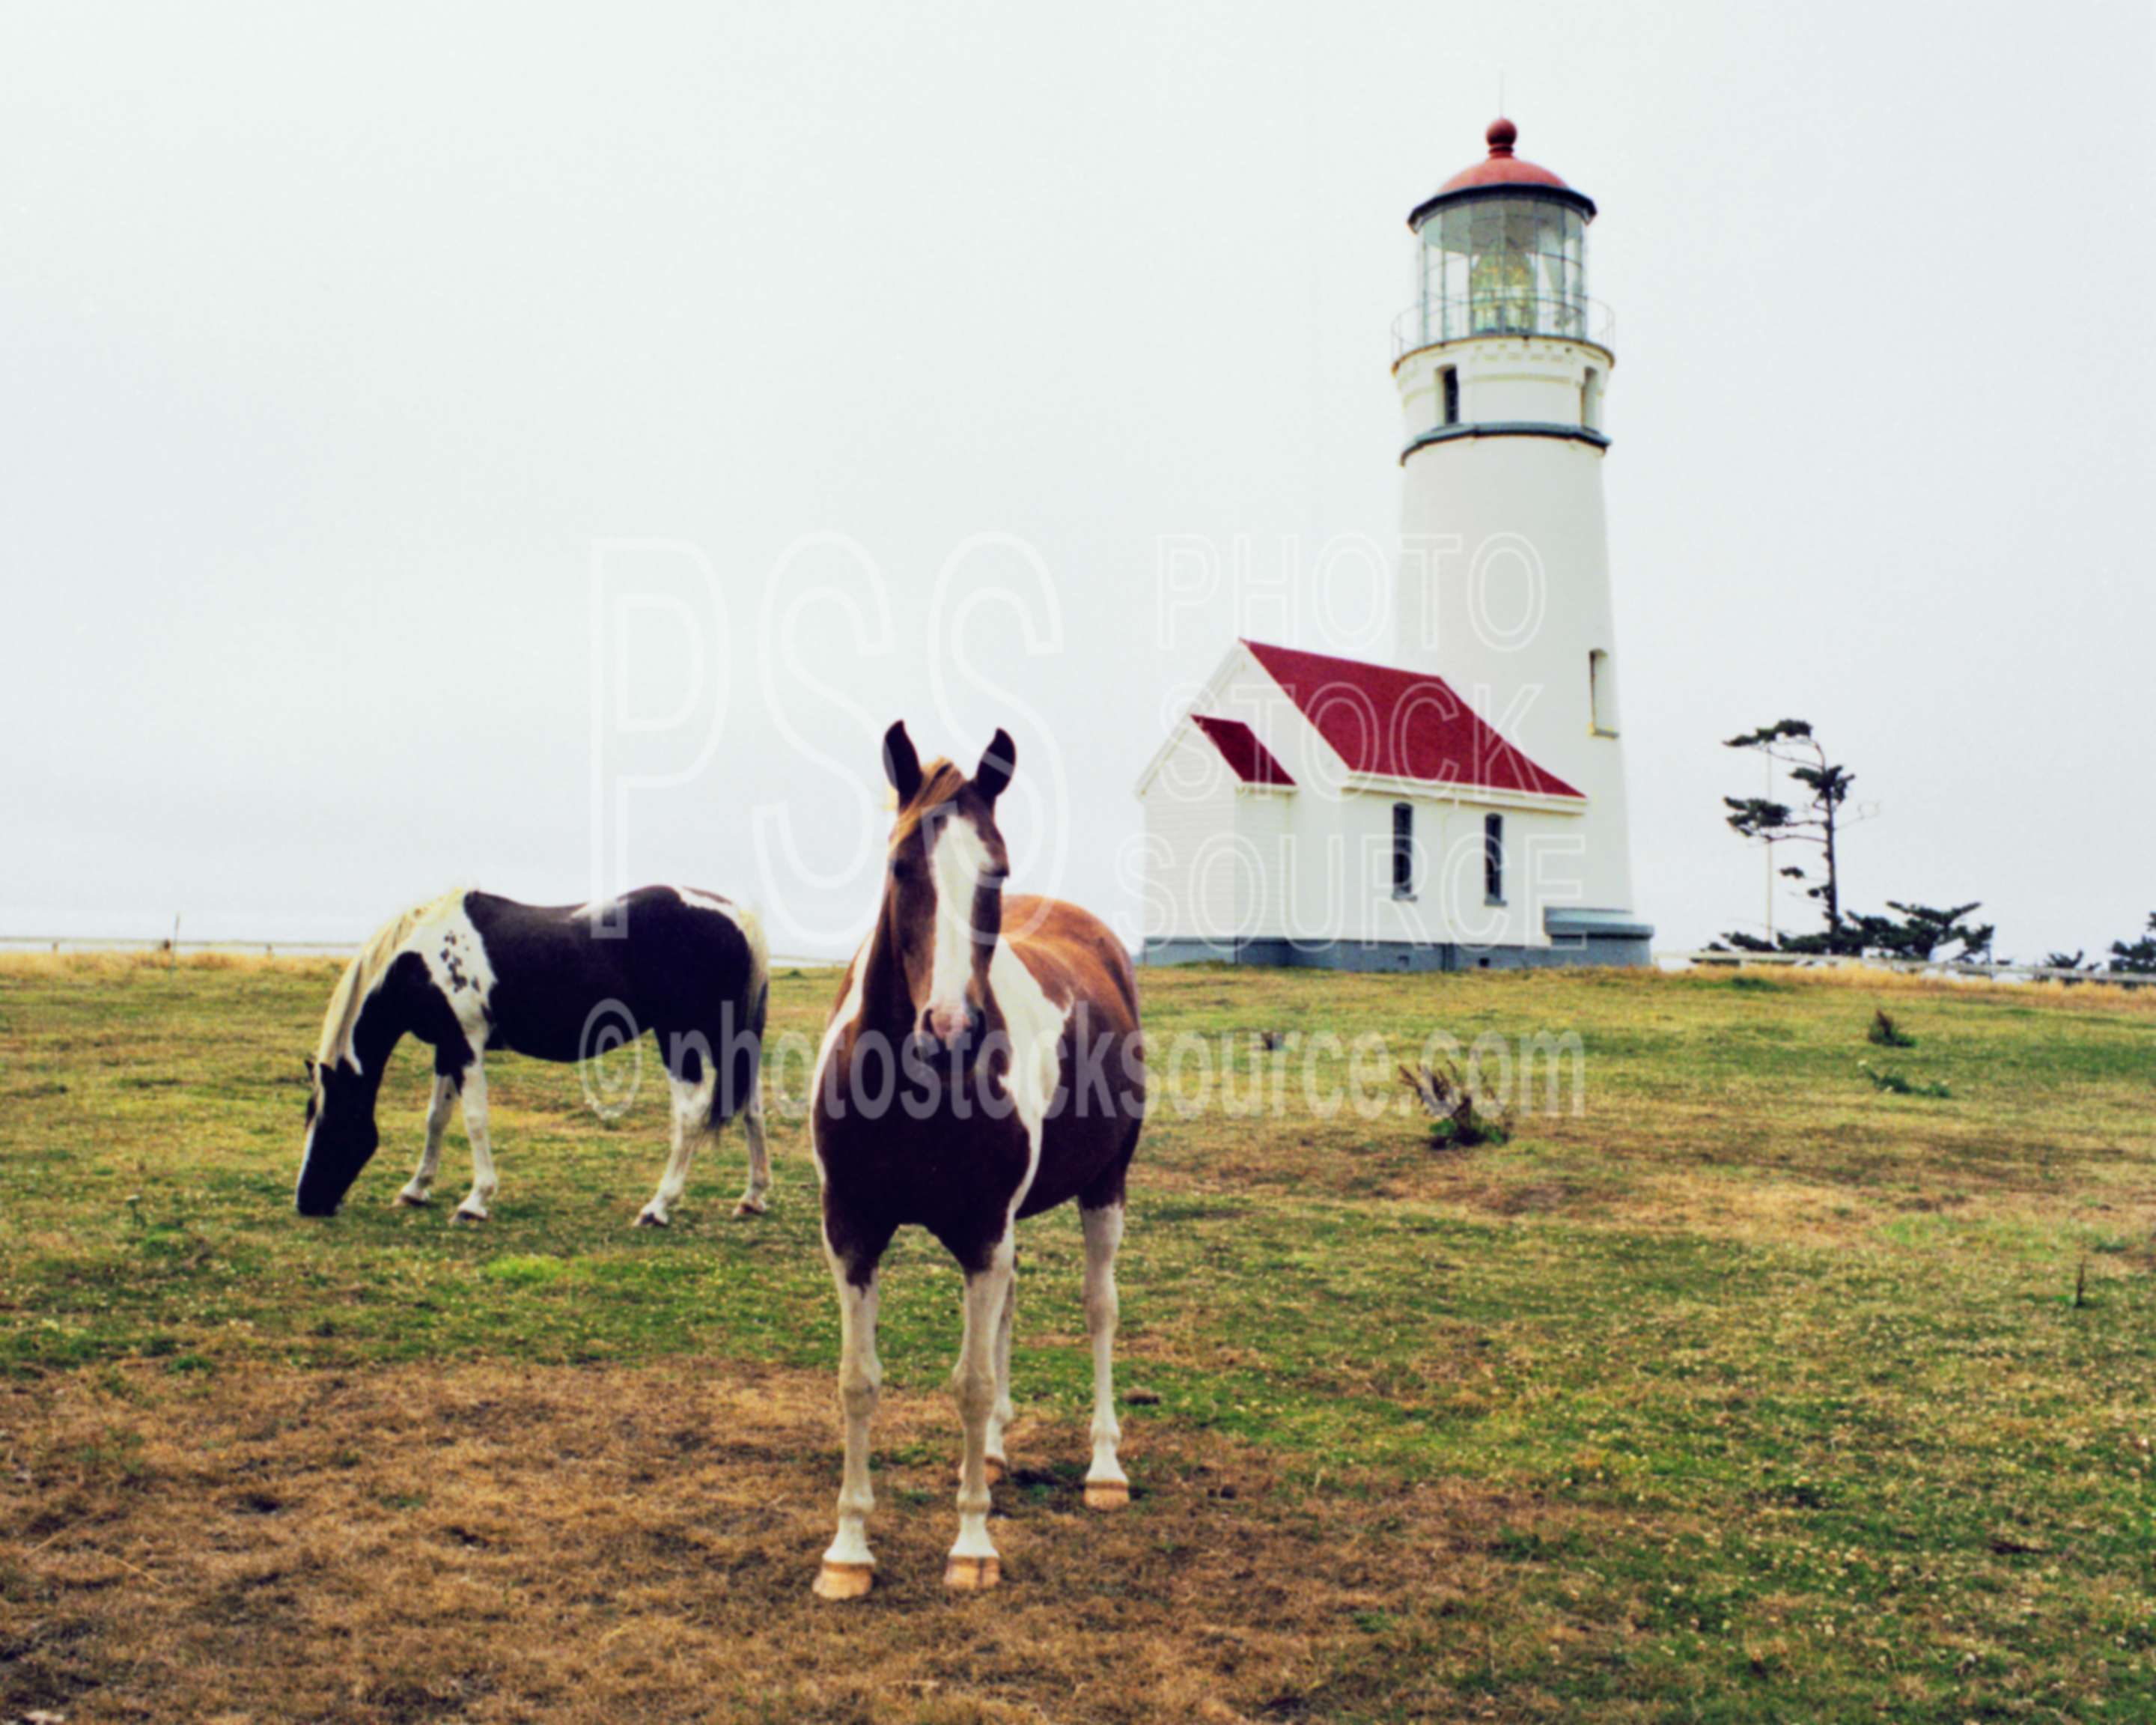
(2135, 957)
(1918, 932)
(1922, 930)
(1815, 821)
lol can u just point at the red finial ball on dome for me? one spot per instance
(1503, 135)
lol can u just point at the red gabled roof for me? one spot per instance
(1252, 761)
(1401, 724)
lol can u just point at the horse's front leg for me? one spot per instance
(1106, 1486)
(474, 1209)
(973, 1562)
(419, 1189)
(849, 1568)
(759, 1154)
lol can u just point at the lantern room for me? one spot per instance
(1501, 249)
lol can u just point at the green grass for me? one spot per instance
(1779, 1369)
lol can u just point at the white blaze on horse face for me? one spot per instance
(956, 861)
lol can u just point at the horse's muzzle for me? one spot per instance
(942, 1036)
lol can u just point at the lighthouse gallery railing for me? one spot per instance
(1430, 321)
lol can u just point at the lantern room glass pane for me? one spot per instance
(1504, 266)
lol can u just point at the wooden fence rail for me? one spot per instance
(290, 949)
(152, 943)
(1913, 967)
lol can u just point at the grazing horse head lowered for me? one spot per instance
(983, 1064)
(368, 1015)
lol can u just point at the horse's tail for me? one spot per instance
(746, 1055)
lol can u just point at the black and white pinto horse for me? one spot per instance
(984, 1063)
(472, 972)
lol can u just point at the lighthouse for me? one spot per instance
(1462, 805)
(1502, 361)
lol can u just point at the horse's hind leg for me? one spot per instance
(1106, 1486)
(759, 1155)
(692, 1125)
(419, 1189)
(474, 1209)
(1000, 1416)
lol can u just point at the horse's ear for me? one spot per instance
(996, 764)
(901, 765)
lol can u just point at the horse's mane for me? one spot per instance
(364, 972)
(940, 782)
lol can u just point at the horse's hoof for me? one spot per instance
(412, 1200)
(461, 1214)
(749, 1207)
(843, 1581)
(653, 1218)
(1107, 1494)
(973, 1575)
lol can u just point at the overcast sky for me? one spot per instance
(342, 345)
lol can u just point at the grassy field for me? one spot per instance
(1788, 1378)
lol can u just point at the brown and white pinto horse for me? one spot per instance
(984, 1064)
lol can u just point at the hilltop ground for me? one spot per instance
(1756, 1388)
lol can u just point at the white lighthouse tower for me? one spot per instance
(1463, 806)
(1503, 365)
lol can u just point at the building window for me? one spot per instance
(1590, 400)
(1602, 692)
(1493, 859)
(1448, 382)
(1403, 861)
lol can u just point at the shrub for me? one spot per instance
(1894, 1084)
(1885, 1033)
(1458, 1120)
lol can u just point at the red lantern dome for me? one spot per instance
(1501, 173)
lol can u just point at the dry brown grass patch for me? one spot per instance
(575, 1544)
(28, 962)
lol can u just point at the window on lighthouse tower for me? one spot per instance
(1601, 692)
(1403, 859)
(1449, 382)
